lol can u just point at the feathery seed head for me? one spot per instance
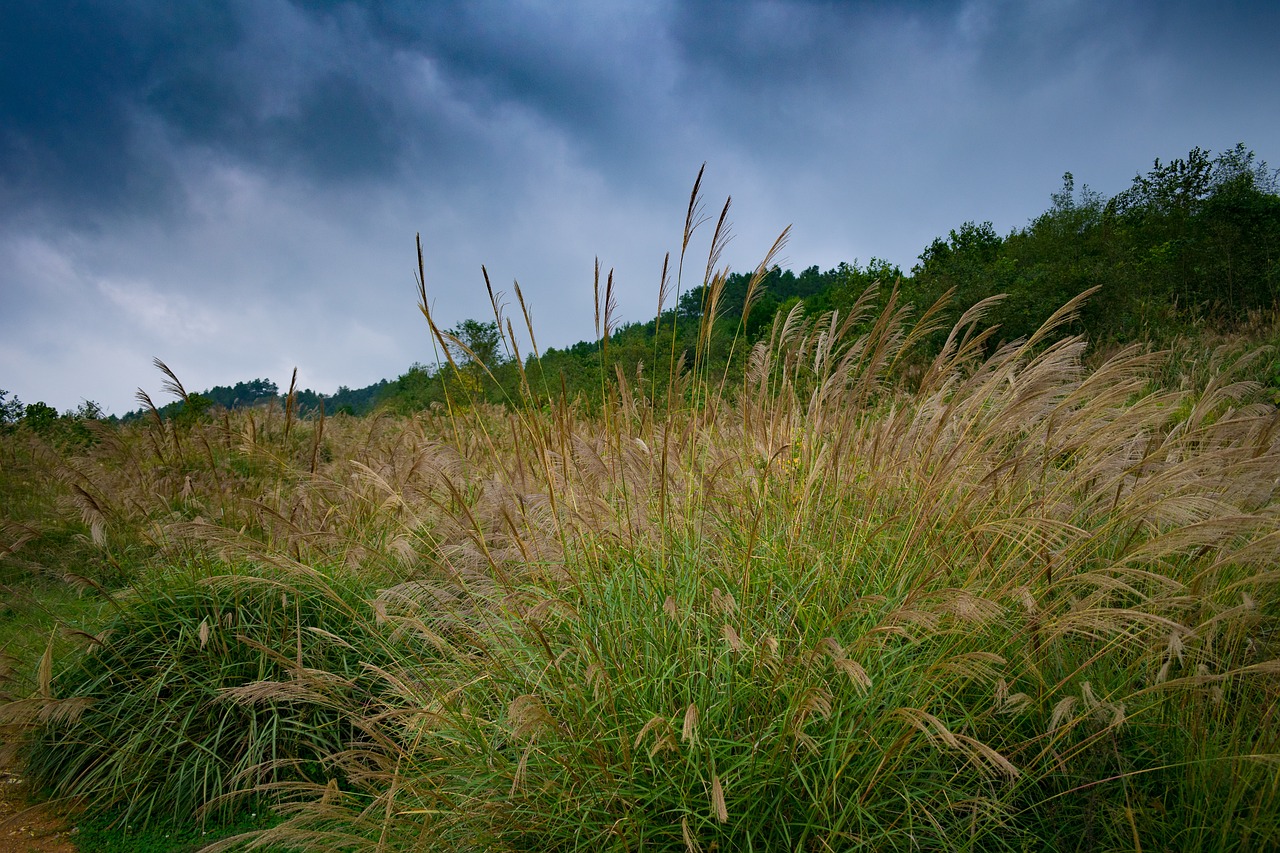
(689, 729)
(528, 717)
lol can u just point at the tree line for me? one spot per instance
(1191, 242)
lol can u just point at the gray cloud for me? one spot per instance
(235, 186)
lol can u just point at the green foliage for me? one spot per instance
(195, 408)
(40, 418)
(10, 410)
(264, 392)
(1194, 239)
(1177, 188)
(111, 832)
(243, 394)
(414, 390)
(187, 700)
(475, 342)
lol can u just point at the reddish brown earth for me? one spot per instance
(28, 828)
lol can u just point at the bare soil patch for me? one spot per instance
(27, 827)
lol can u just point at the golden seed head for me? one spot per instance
(689, 729)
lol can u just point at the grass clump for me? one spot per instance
(188, 698)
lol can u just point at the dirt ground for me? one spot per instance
(25, 828)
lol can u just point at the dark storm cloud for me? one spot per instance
(331, 92)
(776, 44)
(588, 68)
(94, 95)
(86, 91)
(783, 44)
(177, 179)
(70, 81)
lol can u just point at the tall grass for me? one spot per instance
(862, 600)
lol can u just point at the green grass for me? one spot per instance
(160, 716)
(108, 832)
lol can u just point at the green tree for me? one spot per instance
(481, 342)
(414, 390)
(1238, 233)
(193, 409)
(1060, 254)
(88, 410)
(1176, 188)
(972, 263)
(10, 409)
(1240, 165)
(1202, 235)
(40, 418)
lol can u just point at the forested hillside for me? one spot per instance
(1192, 245)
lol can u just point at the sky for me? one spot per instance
(235, 187)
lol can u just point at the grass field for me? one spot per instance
(857, 599)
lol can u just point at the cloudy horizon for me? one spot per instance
(235, 187)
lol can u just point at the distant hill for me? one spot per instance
(255, 392)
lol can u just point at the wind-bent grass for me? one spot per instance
(1026, 604)
(1000, 602)
(189, 697)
